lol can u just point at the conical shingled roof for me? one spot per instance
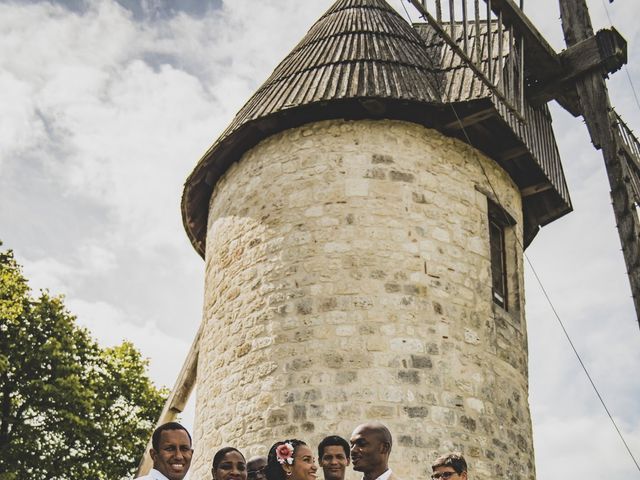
(360, 60)
(358, 49)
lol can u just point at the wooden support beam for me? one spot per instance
(541, 60)
(605, 52)
(512, 153)
(551, 214)
(472, 119)
(535, 189)
(177, 399)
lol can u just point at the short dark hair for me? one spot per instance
(333, 440)
(155, 438)
(454, 460)
(217, 458)
(274, 470)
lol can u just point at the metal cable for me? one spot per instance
(407, 12)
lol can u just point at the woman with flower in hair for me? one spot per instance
(291, 460)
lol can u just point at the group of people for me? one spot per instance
(367, 451)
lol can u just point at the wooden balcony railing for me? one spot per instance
(499, 61)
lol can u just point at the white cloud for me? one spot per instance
(582, 447)
(48, 273)
(19, 127)
(97, 259)
(90, 260)
(110, 324)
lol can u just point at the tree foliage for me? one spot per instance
(69, 409)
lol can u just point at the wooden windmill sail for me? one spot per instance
(620, 148)
(497, 42)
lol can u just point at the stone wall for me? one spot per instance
(348, 278)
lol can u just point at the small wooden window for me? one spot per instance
(500, 228)
(498, 262)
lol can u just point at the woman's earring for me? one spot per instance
(288, 474)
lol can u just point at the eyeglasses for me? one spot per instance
(444, 475)
(256, 473)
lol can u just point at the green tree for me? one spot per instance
(69, 409)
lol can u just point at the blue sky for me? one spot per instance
(108, 105)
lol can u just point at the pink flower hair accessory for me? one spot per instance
(284, 453)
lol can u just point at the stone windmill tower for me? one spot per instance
(363, 243)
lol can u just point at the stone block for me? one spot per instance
(421, 361)
(407, 345)
(409, 376)
(416, 412)
(356, 187)
(397, 176)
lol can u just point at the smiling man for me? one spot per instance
(333, 452)
(451, 466)
(171, 452)
(370, 449)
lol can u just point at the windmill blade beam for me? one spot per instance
(605, 52)
(611, 134)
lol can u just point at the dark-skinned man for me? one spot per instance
(333, 456)
(370, 449)
(171, 452)
(255, 468)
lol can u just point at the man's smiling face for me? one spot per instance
(173, 456)
(334, 462)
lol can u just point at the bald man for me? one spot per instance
(370, 449)
(255, 468)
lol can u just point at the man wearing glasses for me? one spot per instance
(255, 468)
(450, 466)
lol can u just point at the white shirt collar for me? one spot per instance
(385, 475)
(156, 475)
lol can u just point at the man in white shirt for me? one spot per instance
(171, 452)
(370, 449)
